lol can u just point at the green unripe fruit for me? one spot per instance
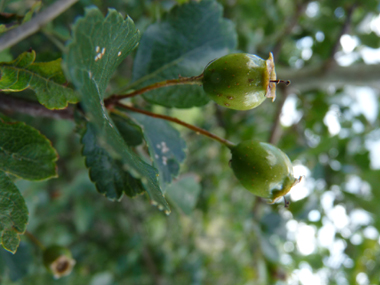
(263, 169)
(58, 260)
(240, 81)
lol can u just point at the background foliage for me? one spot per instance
(218, 233)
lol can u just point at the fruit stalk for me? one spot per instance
(34, 240)
(171, 82)
(179, 122)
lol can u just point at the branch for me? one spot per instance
(275, 132)
(17, 34)
(275, 129)
(179, 122)
(292, 22)
(315, 77)
(330, 61)
(9, 104)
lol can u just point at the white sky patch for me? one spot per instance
(314, 216)
(306, 276)
(306, 53)
(339, 217)
(305, 237)
(375, 25)
(349, 43)
(371, 233)
(290, 115)
(305, 42)
(320, 36)
(326, 234)
(374, 152)
(372, 143)
(362, 279)
(337, 255)
(359, 218)
(346, 59)
(356, 185)
(312, 9)
(366, 102)
(302, 189)
(353, 184)
(327, 200)
(370, 55)
(331, 120)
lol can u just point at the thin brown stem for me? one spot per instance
(171, 82)
(34, 240)
(179, 122)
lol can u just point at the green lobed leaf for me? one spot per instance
(13, 214)
(45, 78)
(25, 152)
(184, 193)
(166, 147)
(107, 172)
(98, 47)
(187, 38)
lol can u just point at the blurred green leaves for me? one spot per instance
(182, 43)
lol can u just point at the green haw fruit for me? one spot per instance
(240, 81)
(263, 169)
(58, 260)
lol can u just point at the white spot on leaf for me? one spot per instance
(165, 149)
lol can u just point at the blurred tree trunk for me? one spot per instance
(316, 77)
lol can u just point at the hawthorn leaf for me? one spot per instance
(99, 45)
(184, 193)
(13, 214)
(25, 152)
(166, 147)
(46, 79)
(106, 172)
(182, 43)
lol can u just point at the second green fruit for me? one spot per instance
(263, 169)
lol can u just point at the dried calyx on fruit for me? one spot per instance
(241, 81)
(58, 260)
(263, 169)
